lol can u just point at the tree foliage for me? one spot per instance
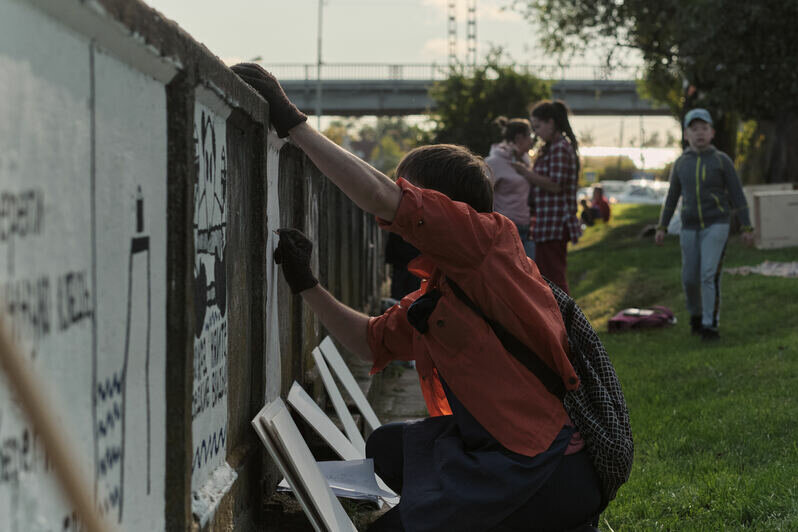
(739, 58)
(385, 142)
(471, 98)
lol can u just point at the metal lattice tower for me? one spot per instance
(452, 31)
(471, 33)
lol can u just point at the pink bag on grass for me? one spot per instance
(641, 318)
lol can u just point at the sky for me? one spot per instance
(380, 31)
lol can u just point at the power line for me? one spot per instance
(452, 32)
(471, 33)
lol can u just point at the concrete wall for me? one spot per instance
(139, 190)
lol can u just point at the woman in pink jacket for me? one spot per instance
(511, 188)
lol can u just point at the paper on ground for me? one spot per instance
(314, 415)
(354, 479)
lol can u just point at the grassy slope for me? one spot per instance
(715, 425)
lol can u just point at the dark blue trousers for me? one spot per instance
(571, 497)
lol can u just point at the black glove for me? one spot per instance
(284, 115)
(293, 254)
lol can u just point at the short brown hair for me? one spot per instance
(452, 170)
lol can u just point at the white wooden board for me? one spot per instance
(343, 373)
(282, 439)
(310, 412)
(338, 403)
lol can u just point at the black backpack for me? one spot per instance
(597, 407)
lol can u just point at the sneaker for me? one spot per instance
(695, 325)
(709, 334)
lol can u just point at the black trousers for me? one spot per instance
(570, 498)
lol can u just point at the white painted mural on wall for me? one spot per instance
(82, 270)
(209, 405)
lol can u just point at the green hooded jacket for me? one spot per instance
(710, 189)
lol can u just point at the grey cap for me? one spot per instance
(697, 114)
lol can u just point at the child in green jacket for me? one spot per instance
(711, 192)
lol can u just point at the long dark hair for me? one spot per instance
(557, 110)
(510, 127)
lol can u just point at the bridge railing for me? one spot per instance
(435, 72)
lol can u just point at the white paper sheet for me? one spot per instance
(354, 479)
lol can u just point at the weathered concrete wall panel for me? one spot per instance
(85, 183)
(129, 255)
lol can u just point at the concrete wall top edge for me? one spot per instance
(154, 44)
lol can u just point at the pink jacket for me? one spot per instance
(510, 189)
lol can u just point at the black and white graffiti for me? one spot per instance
(123, 416)
(83, 205)
(209, 402)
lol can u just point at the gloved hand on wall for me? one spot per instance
(284, 114)
(293, 254)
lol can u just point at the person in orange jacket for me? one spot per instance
(499, 452)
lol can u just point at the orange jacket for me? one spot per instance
(483, 254)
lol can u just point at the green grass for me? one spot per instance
(715, 425)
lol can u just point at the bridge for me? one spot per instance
(356, 89)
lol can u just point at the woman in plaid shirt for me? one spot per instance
(555, 175)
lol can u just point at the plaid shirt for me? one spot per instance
(555, 212)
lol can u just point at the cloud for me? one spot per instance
(486, 10)
(494, 11)
(440, 5)
(229, 61)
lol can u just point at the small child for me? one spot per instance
(599, 208)
(711, 192)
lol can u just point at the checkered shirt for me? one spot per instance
(555, 212)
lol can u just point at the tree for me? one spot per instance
(470, 99)
(620, 168)
(385, 142)
(338, 130)
(652, 141)
(736, 57)
(386, 154)
(587, 138)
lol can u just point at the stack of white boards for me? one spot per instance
(282, 439)
(316, 484)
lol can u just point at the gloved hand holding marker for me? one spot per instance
(293, 255)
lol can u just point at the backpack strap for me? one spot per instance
(569, 315)
(547, 376)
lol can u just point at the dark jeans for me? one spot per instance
(570, 498)
(551, 257)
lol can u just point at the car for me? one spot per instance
(640, 193)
